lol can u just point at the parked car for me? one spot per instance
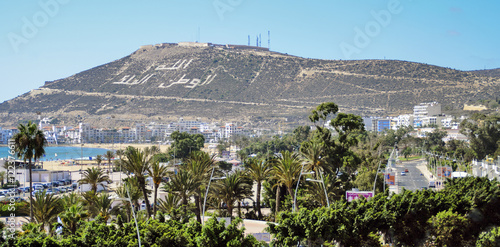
(55, 184)
(403, 173)
(63, 190)
(406, 170)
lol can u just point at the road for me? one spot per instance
(414, 179)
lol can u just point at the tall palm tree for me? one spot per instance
(98, 159)
(313, 153)
(286, 171)
(102, 205)
(258, 171)
(130, 190)
(199, 164)
(183, 184)
(232, 188)
(46, 207)
(73, 216)
(138, 163)
(94, 176)
(157, 173)
(30, 145)
(3, 175)
(109, 155)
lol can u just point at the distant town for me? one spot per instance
(425, 118)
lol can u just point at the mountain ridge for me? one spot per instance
(241, 83)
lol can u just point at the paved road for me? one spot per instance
(414, 179)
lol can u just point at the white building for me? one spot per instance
(426, 110)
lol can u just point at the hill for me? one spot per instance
(241, 83)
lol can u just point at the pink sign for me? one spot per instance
(353, 195)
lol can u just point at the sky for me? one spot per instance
(46, 40)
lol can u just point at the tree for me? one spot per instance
(3, 175)
(231, 189)
(72, 217)
(46, 207)
(98, 159)
(184, 143)
(286, 171)
(449, 228)
(171, 202)
(199, 164)
(138, 162)
(102, 205)
(30, 144)
(109, 155)
(258, 171)
(94, 176)
(183, 184)
(157, 173)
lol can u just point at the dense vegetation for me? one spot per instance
(333, 156)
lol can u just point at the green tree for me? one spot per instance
(157, 173)
(98, 159)
(94, 176)
(259, 171)
(138, 162)
(489, 238)
(46, 207)
(449, 228)
(183, 184)
(184, 143)
(109, 155)
(232, 188)
(199, 164)
(72, 217)
(3, 175)
(30, 145)
(286, 171)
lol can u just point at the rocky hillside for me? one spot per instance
(219, 82)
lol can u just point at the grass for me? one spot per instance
(402, 158)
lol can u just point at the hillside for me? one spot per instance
(217, 82)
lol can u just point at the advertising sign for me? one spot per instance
(444, 171)
(353, 195)
(390, 178)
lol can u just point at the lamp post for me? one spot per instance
(324, 187)
(206, 193)
(133, 213)
(297, 187)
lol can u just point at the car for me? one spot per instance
(69, 189)
(55, 184)
(57, 191)
(403, 174)
(63, 190)
(406, 170)
(432, 184)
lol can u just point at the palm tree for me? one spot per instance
(94, 176)
(98, 159)
(258, 171)
(109, 155)
(3, 175)
(70, 199)
(199, 164)
(46, 207)
(183, 184)
(130, 190)
(157, 173)
(138, 163)
(72, 217)
(232, 188)
(313, 153)
(286, 171)
(316, 192)
(102, 205)
(29, 145)
(171, 202)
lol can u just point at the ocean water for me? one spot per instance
(63, 153)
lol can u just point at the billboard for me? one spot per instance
(353, 195)
(444, 171)
(390, 178)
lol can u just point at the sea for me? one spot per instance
(63, 153)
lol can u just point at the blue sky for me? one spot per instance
(45, 40)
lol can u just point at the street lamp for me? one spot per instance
(324, 187)
(297, 187)
(133, 212)
(206, 193)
